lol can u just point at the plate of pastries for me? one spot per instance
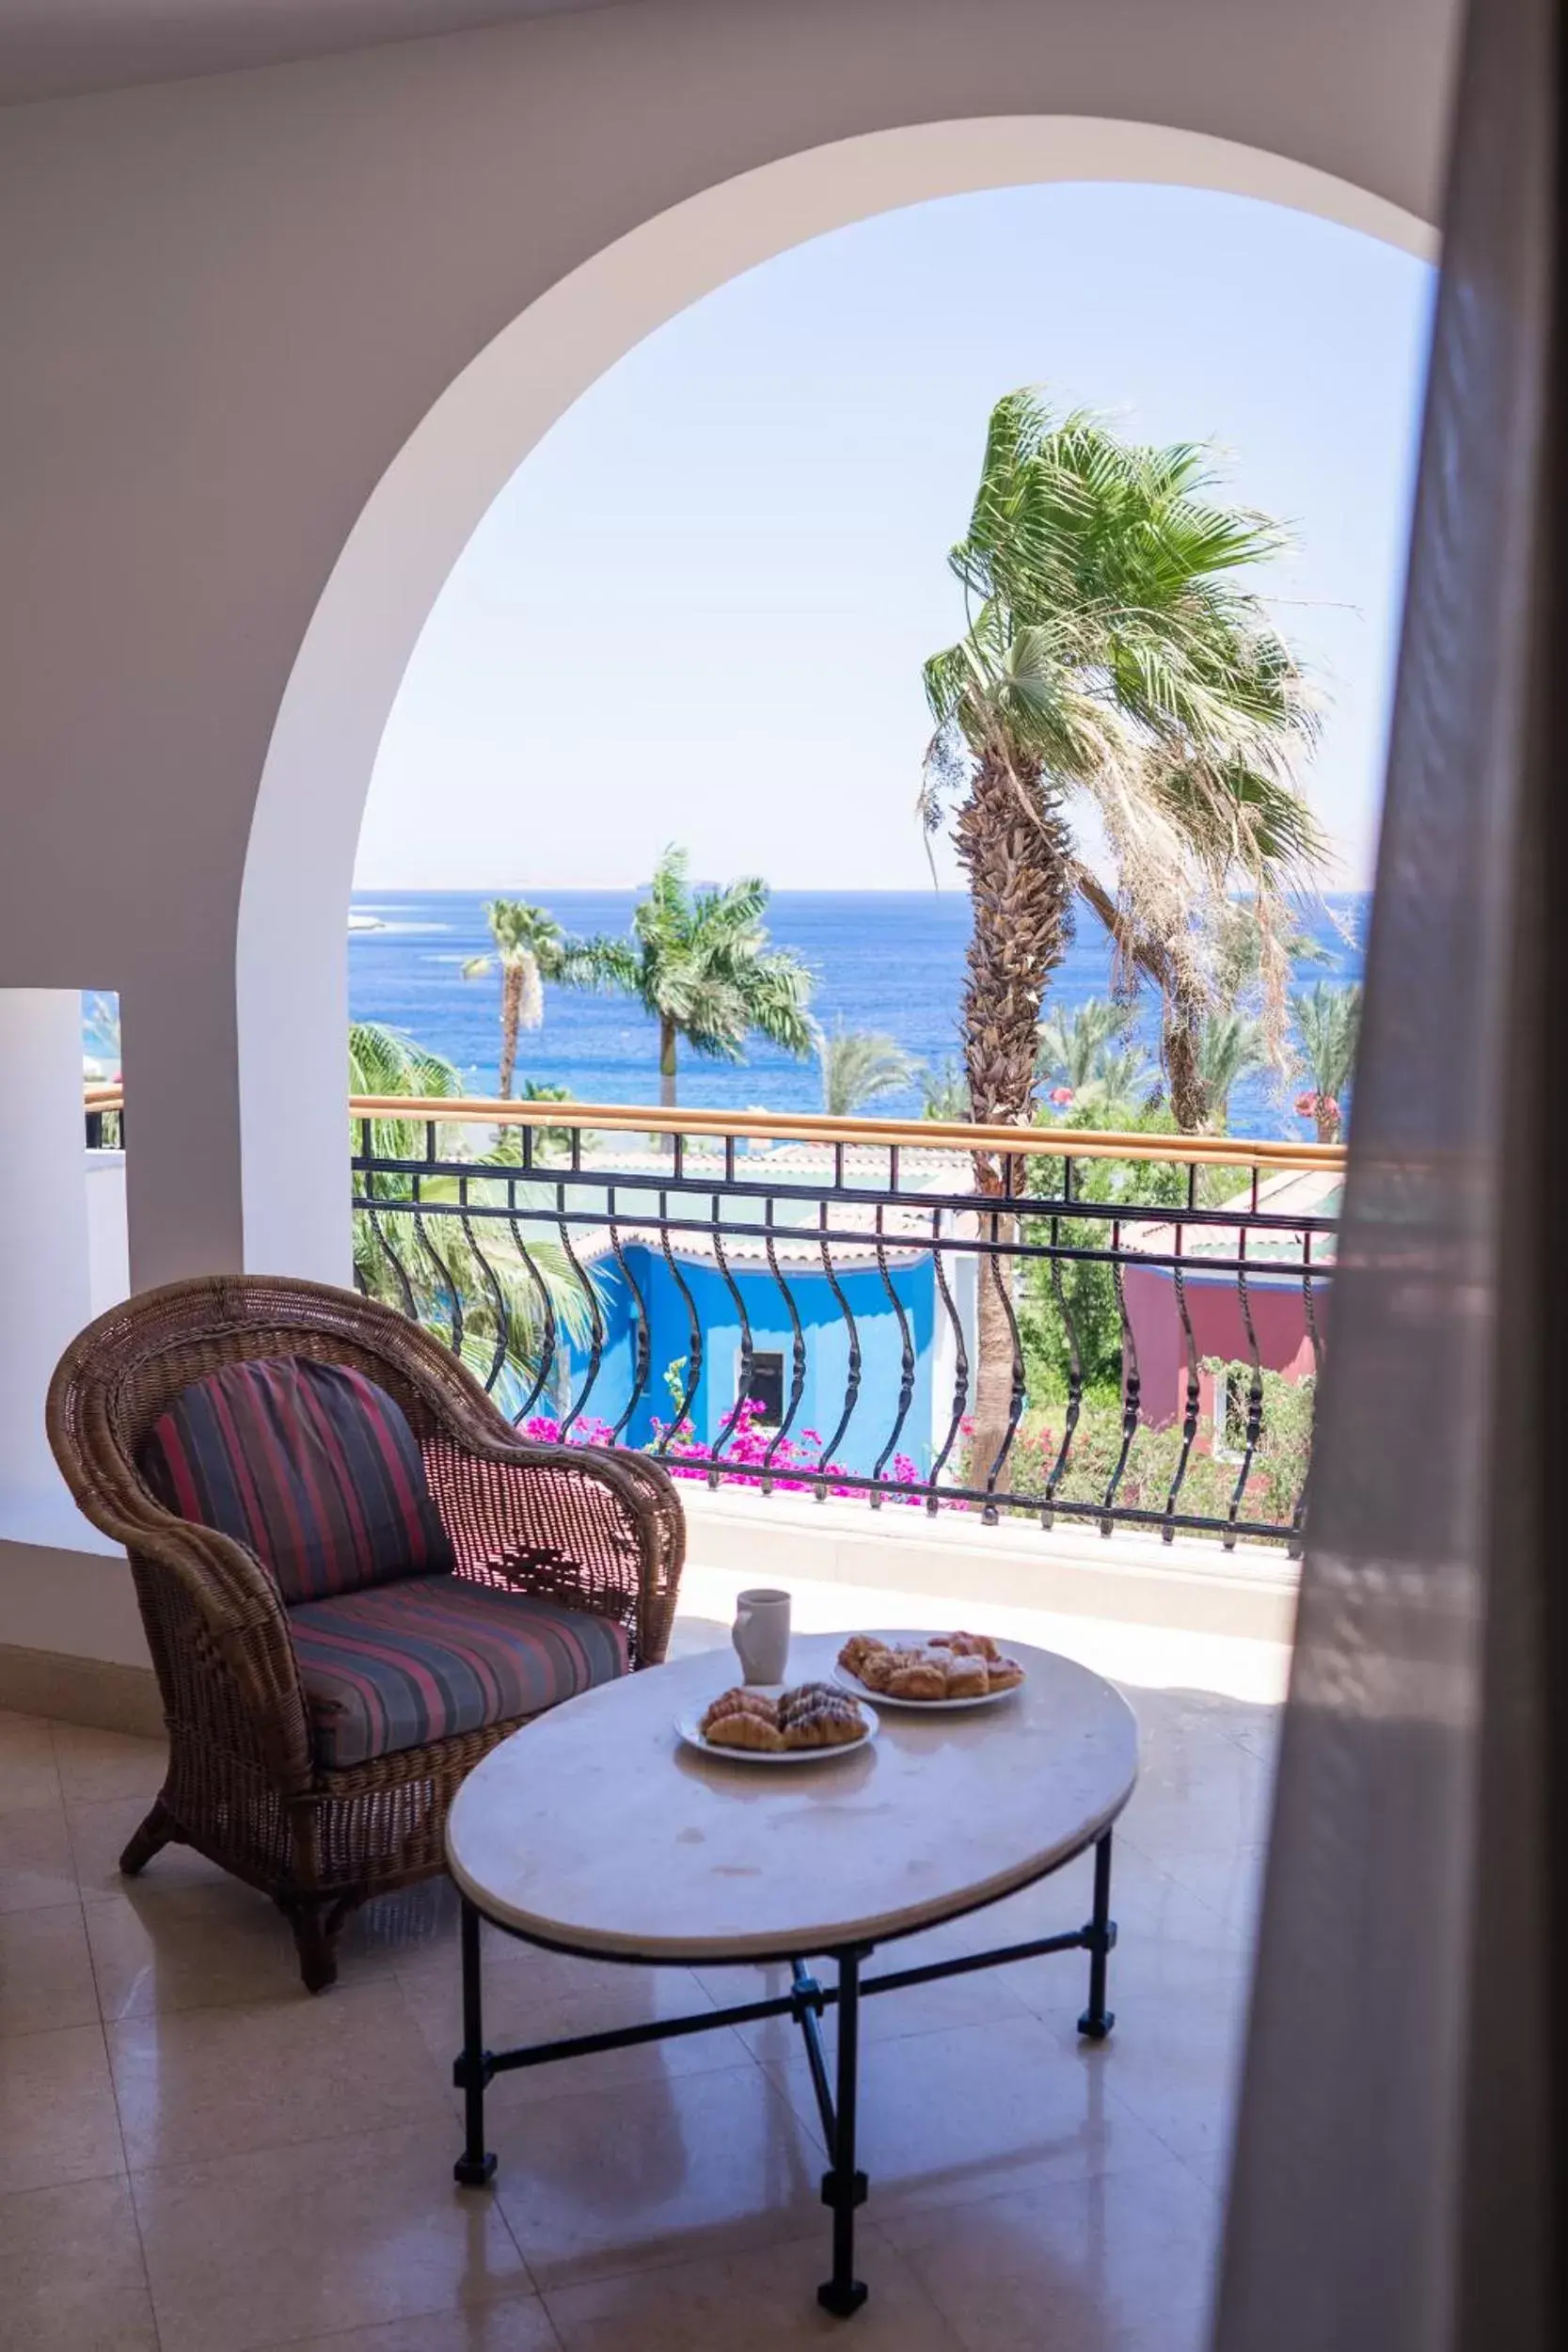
(927, 1670)
(802, 1724)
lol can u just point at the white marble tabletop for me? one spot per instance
(595, 1828)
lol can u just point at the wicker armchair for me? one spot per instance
(243, 1784)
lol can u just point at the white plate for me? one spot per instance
(688, 1728)
(858, 1690)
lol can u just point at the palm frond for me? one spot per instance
(1328, 1022)
(860, 1065)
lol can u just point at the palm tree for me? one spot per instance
(699, 963)
(1231, 1046)
(1234, 821)
(1328, 1020)
(1073, 1046)
(859, 1065)
(529, 944)
(943, 1092)
(500, 1299)
(1107, 659)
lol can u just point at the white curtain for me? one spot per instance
(1400, 2122)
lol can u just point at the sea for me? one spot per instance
(888, 961)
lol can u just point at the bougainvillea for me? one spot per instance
(741, 1459)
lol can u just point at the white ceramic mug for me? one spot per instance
(761, 1634)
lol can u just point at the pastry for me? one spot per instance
(916, 1676)
(858, 1649)
(966, 1678)
(877, 1664)
(823, 1719)
(745, 1730)
(739, 1702)
(966, 1645)
(795, 1702)
(1003, 1674)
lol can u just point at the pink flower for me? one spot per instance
(1307, 1104)
(1062, 1096)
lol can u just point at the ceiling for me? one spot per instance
(53, 48)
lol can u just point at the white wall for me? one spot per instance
(108, 1243)
(44, 1289)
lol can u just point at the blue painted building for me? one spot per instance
(893, 1328)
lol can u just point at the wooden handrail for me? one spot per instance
(925, 1134)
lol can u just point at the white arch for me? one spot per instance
(290, 976)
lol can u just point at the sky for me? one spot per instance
(698, 612)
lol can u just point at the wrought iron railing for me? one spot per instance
(103, 1109)
(1115, 1329)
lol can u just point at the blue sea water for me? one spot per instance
(890, 960)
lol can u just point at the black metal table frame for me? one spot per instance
(844, 2187)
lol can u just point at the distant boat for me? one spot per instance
(366, 923)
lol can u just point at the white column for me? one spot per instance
(45, 1293)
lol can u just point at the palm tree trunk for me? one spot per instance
(1189, 1096)
(666, 1041)
(512, 1007)
(1327, 1121)
(1015, 849)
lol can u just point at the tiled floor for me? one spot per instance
(196, 2156)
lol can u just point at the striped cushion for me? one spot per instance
(311, 1464)
(435, 1655)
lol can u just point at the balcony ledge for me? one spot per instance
(1190, 1585)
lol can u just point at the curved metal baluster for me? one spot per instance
(906, 1360)
(1195, 1397)
(1255, 1392)
(595, 1317)
(443, 1271)
(385, 1244)
(748, 1360)
(798, 1352)
(356, 1167)
(852, 1374)
(694, 1328)
(498, 1297)
(1074, 1362)
(1309, 1288)
(547, 1310)
(995, 1261)
(642, 1344)
(960, 1361)
(1131, 1384)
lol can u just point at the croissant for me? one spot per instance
(805, 1695)
(966, 1678)
(745, 1730)
(1003, 1674)
(739, 1702)
(824, 1722)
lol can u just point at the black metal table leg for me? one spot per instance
(844, 2188)
(475, 2167)
(1099, 1935)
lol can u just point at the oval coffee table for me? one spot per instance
(593, 1831)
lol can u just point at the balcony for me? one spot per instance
(223, 2162)
(196, 2151)
(862, 1366)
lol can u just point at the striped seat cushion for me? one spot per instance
(434, 1656)
(311, 1464)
